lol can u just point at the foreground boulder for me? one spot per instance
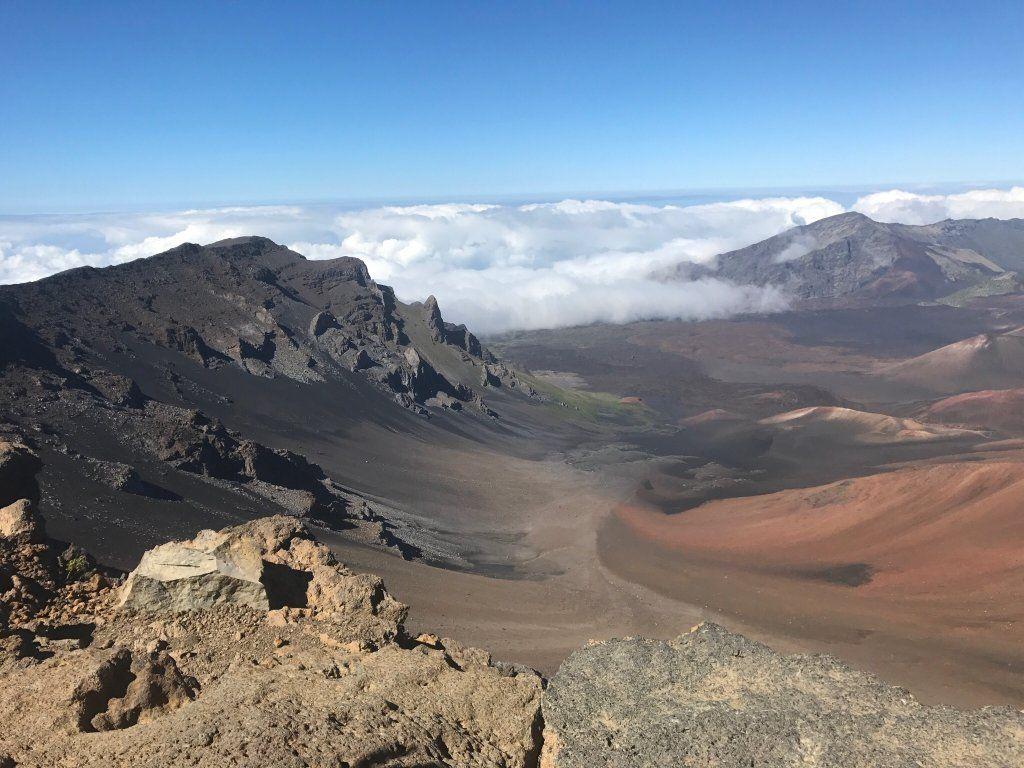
(28, 567)
(253, 647)
(196, 575)
(713, 698)
(270, 564)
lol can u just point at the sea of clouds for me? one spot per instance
(497, 267)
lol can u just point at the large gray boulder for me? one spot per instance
(713, 698)
(196, 575)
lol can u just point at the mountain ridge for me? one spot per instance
(206, 363)
(850, 257)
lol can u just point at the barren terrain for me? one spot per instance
(820, 478)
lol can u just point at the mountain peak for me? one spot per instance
(255, 246)
(852, 216)
(851, 257)
(258, 241)
(848, 221)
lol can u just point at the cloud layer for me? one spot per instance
(897, 206)
(496, 267)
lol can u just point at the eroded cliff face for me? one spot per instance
(252, 646)
(249, 304)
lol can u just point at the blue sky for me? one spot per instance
(107, 105)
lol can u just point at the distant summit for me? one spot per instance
(852, 258)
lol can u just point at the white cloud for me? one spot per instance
(20, 263)
(896, 205)
(576, 261)
(800, 245)
(495, 267)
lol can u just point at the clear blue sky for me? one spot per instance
(145, 103)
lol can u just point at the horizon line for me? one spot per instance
(651, 195)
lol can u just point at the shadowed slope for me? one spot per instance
(985, 361)
(1000, 409)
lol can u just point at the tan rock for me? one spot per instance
(269, 563)
(17, 519)
(322, 698)
(195, 575)
(429, 640)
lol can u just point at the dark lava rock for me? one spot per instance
(435, 322)
(186, 339)
(713, 698)
(461, 337)
(193, 442)
(18, 468)
(321, 322)
(245, 302)
(360, 361)
(449, 333)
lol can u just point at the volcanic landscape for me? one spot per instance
(844, 476)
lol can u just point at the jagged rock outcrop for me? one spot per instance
(40, 585)
(321, 323)
(461, 337)
(193, 442)
(326, 677)
(268, 564)
(188, 341)
(450, 333)
(245, 302)
(711, 697)
(435, 322)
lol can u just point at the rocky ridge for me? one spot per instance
(251, 304)
(152, 374)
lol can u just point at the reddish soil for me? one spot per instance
(914, 574)
(1000, 409)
